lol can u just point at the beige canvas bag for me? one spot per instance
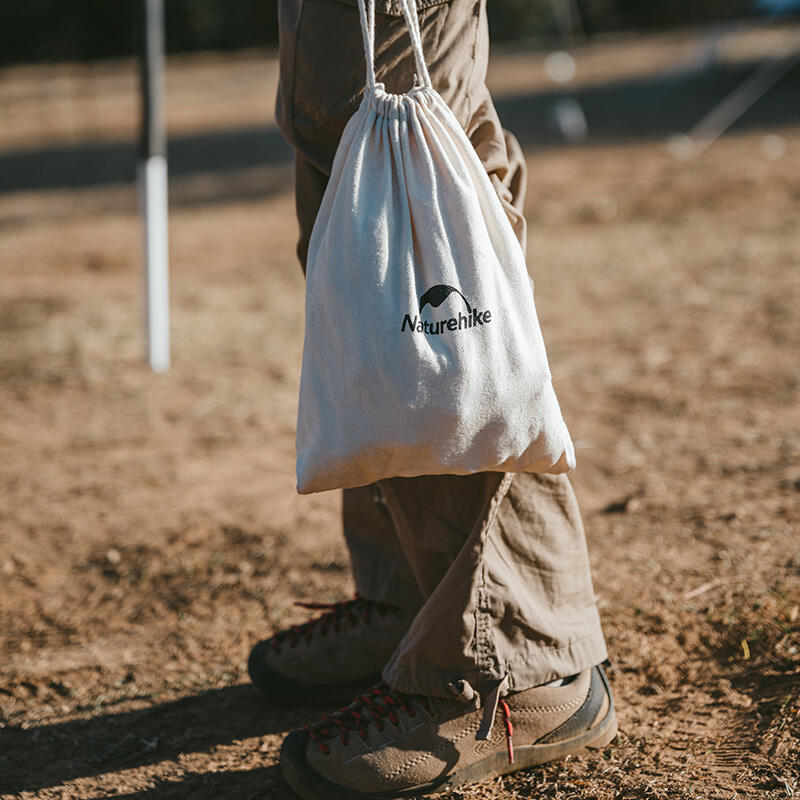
(423, 353)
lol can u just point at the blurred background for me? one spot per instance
(94, 29)
(149, 528)
(71, 101)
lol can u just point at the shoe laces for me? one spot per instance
(491, 703)
(377, 704)
(509, 731)
(336, 614)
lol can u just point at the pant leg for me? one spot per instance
(509, 596)
(318, 92)
(321, 81)
(499, 560)
(502, 560)
(381, 571)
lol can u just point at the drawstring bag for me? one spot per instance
(423, 353)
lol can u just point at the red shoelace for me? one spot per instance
(345, 612)
(509, 731)
(370, 708)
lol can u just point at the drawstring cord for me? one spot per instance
(466, 694)
(490, 709)
(366, 11)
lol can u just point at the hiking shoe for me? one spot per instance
(389, 745)
(330, 658)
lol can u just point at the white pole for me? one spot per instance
(152, 174)
(152, 178)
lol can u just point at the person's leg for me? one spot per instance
(509, 598)
(318, 92)
(436, 519)
(537, 539)
(528, 610)
(500, 560)
(333, 656)
(381, 572)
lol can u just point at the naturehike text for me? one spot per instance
(416, 325)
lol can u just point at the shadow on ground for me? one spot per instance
(643, 107)
(49, 755)
(253, 784)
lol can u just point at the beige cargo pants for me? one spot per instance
(495, 565)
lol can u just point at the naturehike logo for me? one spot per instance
(434, 297)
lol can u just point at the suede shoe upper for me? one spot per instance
(350, 642)
(386, 742)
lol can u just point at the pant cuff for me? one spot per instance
(534, 667)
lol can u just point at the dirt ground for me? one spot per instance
(149, 528)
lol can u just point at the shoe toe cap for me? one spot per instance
(264, 678)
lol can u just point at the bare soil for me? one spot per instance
(149, 528)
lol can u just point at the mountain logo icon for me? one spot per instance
(436, 295)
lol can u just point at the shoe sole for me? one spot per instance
(312, 786)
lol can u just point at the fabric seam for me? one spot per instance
(483, 639)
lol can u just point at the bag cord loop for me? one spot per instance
(366, 10)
